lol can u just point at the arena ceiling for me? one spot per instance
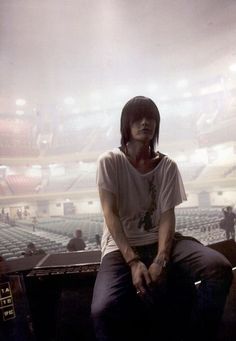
(82, 55)
(81, 60)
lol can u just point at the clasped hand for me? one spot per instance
(146, 278)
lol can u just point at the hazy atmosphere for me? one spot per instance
(68, 68)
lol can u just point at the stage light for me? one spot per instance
(20, 102)
(187, 95)
(182, 83)
(69, 101)
(20, 112)
(232, 67)
(75, 111)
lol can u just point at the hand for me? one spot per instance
(157, 274)
(140, 276)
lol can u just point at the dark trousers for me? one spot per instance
(177, 310)
(230, 233)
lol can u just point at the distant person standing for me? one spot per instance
(76, 243)
(25, 213)
(19, 213)
(34, 223)
(229, 221)
(7, 219)
(98, 240)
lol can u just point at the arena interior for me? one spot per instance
(67, 69)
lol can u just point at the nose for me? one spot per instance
(144, 121)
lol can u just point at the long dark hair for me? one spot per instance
(137, 108)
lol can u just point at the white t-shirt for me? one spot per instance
(141, 198)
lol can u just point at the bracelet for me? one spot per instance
(134, 259)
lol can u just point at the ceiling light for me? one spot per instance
(232, 67)
(187, 94)
(96, 107)
(20, 112)
(69, 100)
(75, 111)
(182, 83)
(20, 102)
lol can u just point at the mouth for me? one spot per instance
(145, 131)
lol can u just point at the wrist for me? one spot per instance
(161, 261)
(133, 260)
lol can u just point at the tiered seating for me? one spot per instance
(70, 141)
(231, 172)
(73, 138)
(58, 183)
(202, 224)
(4, 188)
(67, 227)
(21, 184)
(16, 138)
(219, 169)
(213, 172)
(90, 224)
(190, 172)
(13, 241)
(84, 181)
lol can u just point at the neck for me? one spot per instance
(138, 151)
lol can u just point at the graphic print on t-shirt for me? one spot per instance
(146, 219)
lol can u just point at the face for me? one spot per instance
(143, 129)
(78, 234)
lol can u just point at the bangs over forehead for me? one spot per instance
(139, 107)
(135, 109)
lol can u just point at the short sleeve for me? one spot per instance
(172, 193)
(106, 173)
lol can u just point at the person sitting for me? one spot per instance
(147, 271)
(76, 243)
(31, 250)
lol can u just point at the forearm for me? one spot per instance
(116, 229)
(166, 235)
(111, 215)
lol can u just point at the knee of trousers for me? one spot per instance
(219, 268)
